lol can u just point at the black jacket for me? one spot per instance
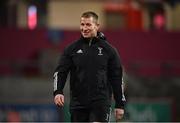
(95, 72)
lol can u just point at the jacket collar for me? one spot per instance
(100, 36)
(87, 40)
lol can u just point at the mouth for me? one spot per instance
(85, 33)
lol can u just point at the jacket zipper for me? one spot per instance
(90, 42)
(90, 55)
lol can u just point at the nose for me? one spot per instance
(84, 28)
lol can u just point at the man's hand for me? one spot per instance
(59, 100)
(119, 113)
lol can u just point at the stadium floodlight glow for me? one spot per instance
(32, 17)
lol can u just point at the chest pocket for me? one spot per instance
(102, 79)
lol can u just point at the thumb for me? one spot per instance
(62, 99)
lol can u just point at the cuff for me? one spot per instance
(118, 105)
(57, 92)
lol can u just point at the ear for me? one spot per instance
(98, 26)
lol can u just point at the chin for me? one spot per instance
(86, 36)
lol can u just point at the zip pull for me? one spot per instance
(90, 42)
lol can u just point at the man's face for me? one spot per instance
(88, 27)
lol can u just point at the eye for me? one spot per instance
(82, 24)
(88, 24)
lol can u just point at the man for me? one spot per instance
(95, 73)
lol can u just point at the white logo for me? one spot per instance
(100, 50)
(107, 117)
(55, 80)
(79, 51)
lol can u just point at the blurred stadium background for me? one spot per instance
(33, 34)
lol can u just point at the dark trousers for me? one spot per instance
(93, 114)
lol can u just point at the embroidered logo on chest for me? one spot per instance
(100, 51)
(79, 51)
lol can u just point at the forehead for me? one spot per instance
(87, 20)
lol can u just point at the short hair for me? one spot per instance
(90, 14)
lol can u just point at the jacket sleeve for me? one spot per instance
(115, 78)
(61, 72)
